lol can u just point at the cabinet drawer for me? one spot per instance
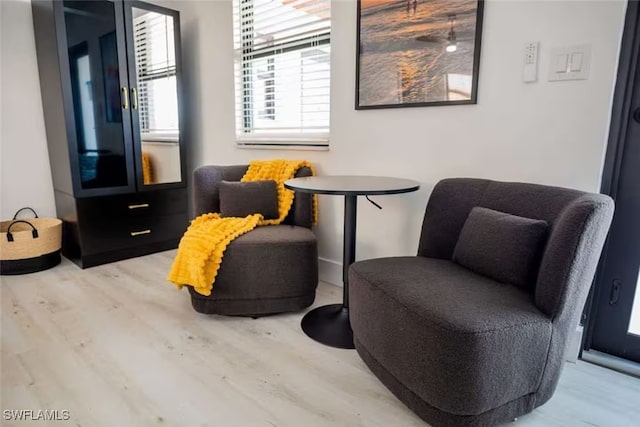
(151, 203)
(98, 236)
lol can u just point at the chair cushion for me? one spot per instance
(504, 247)
(272, 261)
(462, 342)
(240, 199)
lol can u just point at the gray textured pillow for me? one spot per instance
(505, 247)
(246, 198)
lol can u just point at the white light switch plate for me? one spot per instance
(570, 63)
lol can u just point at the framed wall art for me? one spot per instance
(415, 53)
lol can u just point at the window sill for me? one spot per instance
(299, 144)
(159, 137)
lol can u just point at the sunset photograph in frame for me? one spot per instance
(413, 53)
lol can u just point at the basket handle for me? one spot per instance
(20, 210)
(34, 232)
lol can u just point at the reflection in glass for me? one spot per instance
(634, 321)
(458, 86)
(93, 64)
(86, 102)
(156, 96)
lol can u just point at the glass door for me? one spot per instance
(616, 328)
(616, 325)
(154, 70)
(103, 157)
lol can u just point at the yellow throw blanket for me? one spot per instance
(202, 247)
(147, 169)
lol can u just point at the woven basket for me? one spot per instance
(29, 245)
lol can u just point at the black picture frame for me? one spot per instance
(385, 78)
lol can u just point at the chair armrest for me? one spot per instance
(571, 255)
(301, 213)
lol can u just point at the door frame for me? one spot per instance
(628, 70)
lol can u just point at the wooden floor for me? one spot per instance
(117, 345)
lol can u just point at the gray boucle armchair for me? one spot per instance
(462, 348)
(271, 269)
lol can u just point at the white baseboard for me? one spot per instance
(575, 341)
(330, 271)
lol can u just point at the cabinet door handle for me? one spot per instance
(125, 97)
(134, 98)
(141, 205)
(140, 233)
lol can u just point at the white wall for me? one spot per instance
(551, 133)
(25, 176)
(545, 132)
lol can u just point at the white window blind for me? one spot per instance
(156, 69)
(282, 72)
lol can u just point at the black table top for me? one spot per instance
(352, 185)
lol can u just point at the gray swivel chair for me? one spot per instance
(271, 269)
(473, 330)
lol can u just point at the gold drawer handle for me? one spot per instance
(141, 205)
(139, 233)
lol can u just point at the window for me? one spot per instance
(282, 65)
(156, 68)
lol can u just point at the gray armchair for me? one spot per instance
(454, 343)
(270, 269)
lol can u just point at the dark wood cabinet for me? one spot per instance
(110, 77)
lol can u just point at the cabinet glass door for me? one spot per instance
(155, 108)
(100, 95)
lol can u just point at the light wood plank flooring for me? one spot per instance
(117, 345)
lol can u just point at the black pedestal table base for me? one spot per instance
(329, 325)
